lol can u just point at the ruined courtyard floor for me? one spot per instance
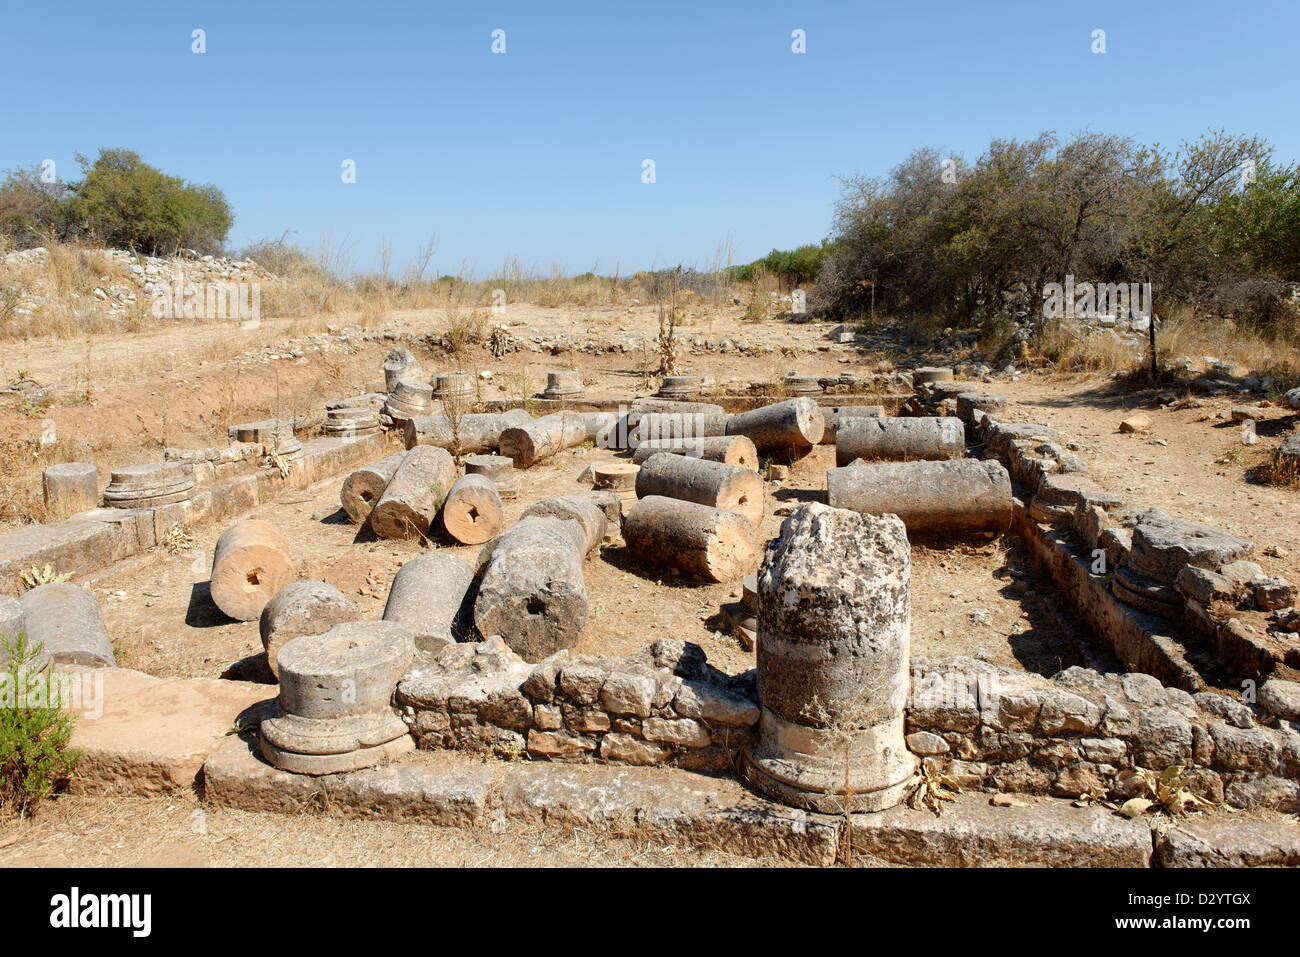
(182, 387)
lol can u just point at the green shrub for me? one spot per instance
(34, 730)
(126, 203)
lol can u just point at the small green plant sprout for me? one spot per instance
(1166, 791)
(34, 729)
(933, 787)
(36, 576)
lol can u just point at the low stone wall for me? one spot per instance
(93, 540)
(666, 705)
(994, 729)
(989, 728)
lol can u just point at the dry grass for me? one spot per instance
(1273, 353)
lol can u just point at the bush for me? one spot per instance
(34, 730)
(126, 203)
(32, 211)
(1214, 225)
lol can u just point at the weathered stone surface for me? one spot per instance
(531, 442)
(363, 488)
(250, 564)
(957, 496)
(623, 693)
(70, 487)
(1272, 593)
(1165, 738)
(670, 807)
(704, 482)
(351, 669)
(428, 787)
(334, 763)
(1163, 545)
(899, 439)
(1281, 698)
(585, 510)
(714, 706)
(531, 591)
(430, 597)
(704, 542)
(792, 427)
(66, 619)
(834, 617)
(1221, 840)
(970, 833)
(400, 363)
(302, 608)
(11, 623)
(469, 432)
(472, 513)
(413, 496)
(731, 449)
(144, 735)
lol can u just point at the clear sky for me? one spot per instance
(537, 153)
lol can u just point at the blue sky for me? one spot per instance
(537, 153)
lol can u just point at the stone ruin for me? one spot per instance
(837, 722)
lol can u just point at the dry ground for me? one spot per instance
(183, 386)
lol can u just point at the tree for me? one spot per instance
(32, 209)
(124, 202)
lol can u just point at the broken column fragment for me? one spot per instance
(70, 487)
(531, 442)
(250, 563)
(417, 490)
(66, 619)
(335, 707)
(472, 513)
(472, 432)
(732, 449)
(899, 439)
(791, 428)
(304, 607)
(362, 489)
(962, 495)
(531, 591)
(704, 542)
(428, 597)
(834, 622)
(715, 484)
(582, 509)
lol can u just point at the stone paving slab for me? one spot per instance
(432, 787)
(1224, 840)
(972, 833)
(144, 735)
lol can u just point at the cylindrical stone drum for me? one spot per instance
(251, 562)
(962, 495)
(71, 487)
(706, 543)
(899, 439)
(472, 513)
(715, 484)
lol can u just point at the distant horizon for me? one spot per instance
(538, 153)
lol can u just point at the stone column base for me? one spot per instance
(804, 767)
